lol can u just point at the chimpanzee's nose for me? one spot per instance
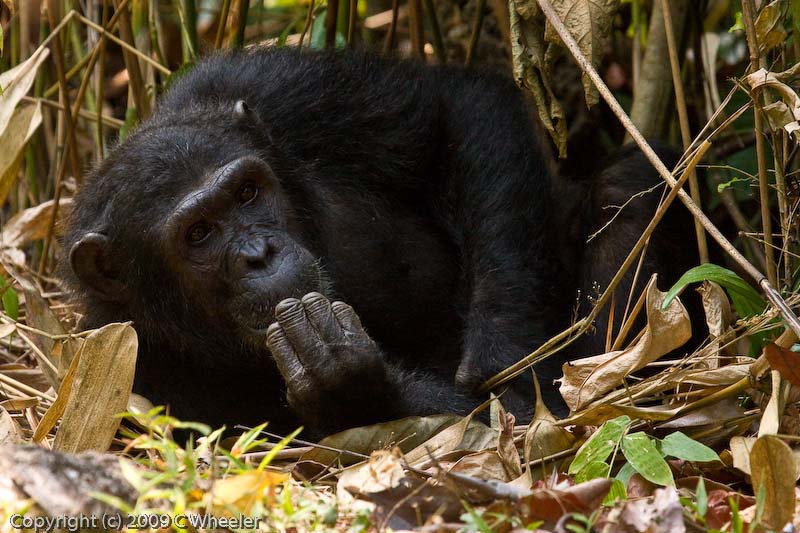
(255, 252)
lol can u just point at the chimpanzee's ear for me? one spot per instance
(90, 259)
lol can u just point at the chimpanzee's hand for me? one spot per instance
(335, 373)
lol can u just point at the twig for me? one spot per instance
(241, 24)
(389, 44)
(132, 49)
(331, 17)
(769, 291)
(480, 7)
(683, 119)
(307, 25)
(351, 23)
(416, 29)
(748, 14)
(58, 59)
(223, 22)
(82, 113)
(438, 42)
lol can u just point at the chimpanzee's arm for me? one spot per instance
(498, 193)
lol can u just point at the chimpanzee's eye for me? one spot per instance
(246, 193)
(198, 233)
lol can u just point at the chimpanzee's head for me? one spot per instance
(185, 229)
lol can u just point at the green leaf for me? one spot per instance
(318, 34)
(593, 470)
(722, 186)
(10, 299)
(680, 446)
(746, 300)
(640, 451)
(601, 444)
(701, 496)
(616, 493)
(625, 473)
(738, 25)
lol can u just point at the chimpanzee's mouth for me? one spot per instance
(254, 310)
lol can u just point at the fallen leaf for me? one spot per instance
(773, 467)
(550, 505)
(740, 450)
(10, 432)
(102, 385)
(16, 82)
(590, 22)
(660, 513)
(382, 471)
(7, 329)
(587, 379)
(23, 124)
(239, 493)
(31, 224)
(784, 361)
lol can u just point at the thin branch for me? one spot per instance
(223, 22)
(748, 17)
(477, 24)
(683, 119)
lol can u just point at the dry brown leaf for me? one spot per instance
(382, 471)
(506, 448)
(740, 450)
(543, 437)
(31, 224)
(39, 315)
(24, 122)
(529, 51)
(590, 22)
(16, 83)
(10, 432)
(463, 435)
(769, 25)
(763, 78)
(773, 467)
(588, 379)
(660, 513)
(7, 329)
(717, 377)
(719, 317)
(550, 505)
(56, 410)
(485, 465)
(784, 361)
(102, 385)
(19, 404)
(408, 432)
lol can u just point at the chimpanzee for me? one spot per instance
(368, 238)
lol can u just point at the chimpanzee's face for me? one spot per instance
(231, 246)
(191, 225)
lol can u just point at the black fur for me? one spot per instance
(425, 202)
